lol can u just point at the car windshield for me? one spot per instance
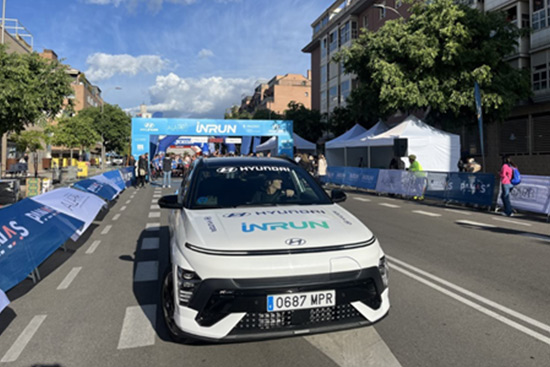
(263, 185)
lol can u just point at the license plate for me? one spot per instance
(299, 301)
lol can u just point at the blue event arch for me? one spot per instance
(144, 128)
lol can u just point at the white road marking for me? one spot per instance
(106, 229)
(429, 214)
(358, 347)
(21, 342)
(138, 327)
(154, 215)
(69, 278)
(362, 199)
(154, 201)
(157, 196)
(146, 271)
(155, 207)
(513, 222)
(150, 243)
(128, 201)
(389, 205)
(476, 224)
(116, 216)
(152, 227)
(93, 247)
(504, 309)
(123, 208)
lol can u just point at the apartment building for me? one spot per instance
(525, 135)
(276, 94)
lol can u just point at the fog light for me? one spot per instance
(188, 282)
(383, 268)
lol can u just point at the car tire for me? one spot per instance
(168, 308)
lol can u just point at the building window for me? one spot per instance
(540, 77)
(345, 34)
(333, 41)
(525, 21)
(324, 76)
(382, 13)
(541, 134)
(306, 94)
(514, 137)
(345, 88)
(541, 17)
(324, 47)
(333, 96)
(354, 31)
(365, 22)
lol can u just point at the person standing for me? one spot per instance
(167, 171)
(142, 170)
(321, 168)
(414, 164)
(506, 173)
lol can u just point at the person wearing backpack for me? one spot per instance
(506, 177)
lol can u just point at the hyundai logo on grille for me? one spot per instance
(226, 169)
(295, 242)
(236, 215)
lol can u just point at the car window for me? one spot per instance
(233, 186)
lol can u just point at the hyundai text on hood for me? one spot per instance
(259, 250)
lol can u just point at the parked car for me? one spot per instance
(258, 249)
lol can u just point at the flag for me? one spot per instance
(479, 113)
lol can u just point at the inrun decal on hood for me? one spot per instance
(273, 226)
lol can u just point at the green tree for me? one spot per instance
(307, 123)
(234, 113)
(32, 141)
(76, 132)
(113, 126)
(32, 89)
(431, 61)
(266, 114)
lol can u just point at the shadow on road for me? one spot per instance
(542, 239)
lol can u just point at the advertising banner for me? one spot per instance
(102, 189)
(472, 188)
(401, 182)
(76, 203)
(116, 178)
(532, 194)
(368, 178)
(29, 233)
(127, 174)
(4, 301)
(336, 175)
(436, 185)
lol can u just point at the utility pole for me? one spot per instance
(4, 138)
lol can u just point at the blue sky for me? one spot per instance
(187, 58)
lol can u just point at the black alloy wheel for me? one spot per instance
(168, 309)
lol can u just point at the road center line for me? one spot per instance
(128, 201)
(362, 199)
(429, 214)
(106, 229)
(93, 247)
(389, 205)
(513, 222)
(69, 278)
(154, 215)
(123, 208)
(138, 327)
(476, 224)
(475, 296)
(21, 342)
(116, 216)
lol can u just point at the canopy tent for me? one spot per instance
(339, 142)
(436, 150)
(300, 143)
(338, 152)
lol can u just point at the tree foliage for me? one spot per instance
(32, 89)
(113, 126)
(431, 61)
(76, 132)
(307, 123)
(234, 113)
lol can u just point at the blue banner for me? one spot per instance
(127, 174)
(115, 178)
(472, 188)
(336, 175)
(368, 178)
(101, 189)
(436, 187)
(29, 233)
(479, 112)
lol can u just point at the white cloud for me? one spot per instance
(190, 97)
(103, 66)
(204, 53)
(105, 2)
(154, 5)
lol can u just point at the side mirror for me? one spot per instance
(338, 196)
(169, 202)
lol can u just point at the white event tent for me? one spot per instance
(300, 144)
(338, 152)
(436, 150)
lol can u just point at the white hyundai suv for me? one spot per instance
(259, 250)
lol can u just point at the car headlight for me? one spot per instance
(188, 281)
(383, 268)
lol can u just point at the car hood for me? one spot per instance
(274, 228)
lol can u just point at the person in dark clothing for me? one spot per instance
(273, 192)
(142, 171)
(167, 171)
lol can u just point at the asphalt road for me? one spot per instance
(466, 288)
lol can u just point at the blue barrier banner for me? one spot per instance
(401, 182)
(368, 178)
(29, 233)
(532, 194)
(472, 188)
(127, 174)
(436, 185)
(4, 301)
(102, 189)
(352, 176)
(116, 178)
(336, 175)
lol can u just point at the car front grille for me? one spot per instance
(299, 318)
